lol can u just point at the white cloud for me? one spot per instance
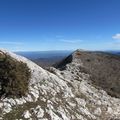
(10, 43)
(70, 41)
(116, 36)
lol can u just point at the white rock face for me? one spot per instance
(38, 111)
(98, 112)
(26, 114)
(60, 95)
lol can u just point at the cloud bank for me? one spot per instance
(116, 36)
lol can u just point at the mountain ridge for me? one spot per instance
(66, 94)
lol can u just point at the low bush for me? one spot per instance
(14, 77)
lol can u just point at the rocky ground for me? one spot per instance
(60, 94)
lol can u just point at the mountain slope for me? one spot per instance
(103, 68)
(60, 95)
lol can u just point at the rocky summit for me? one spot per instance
(84, 86)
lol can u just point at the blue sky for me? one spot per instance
(32, 25)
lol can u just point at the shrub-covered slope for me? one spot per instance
(14, 76)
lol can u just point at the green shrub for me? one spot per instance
(14, 77)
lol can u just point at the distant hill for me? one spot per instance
(114, 52)
(32, 55)
(45, 58)
(48, 62)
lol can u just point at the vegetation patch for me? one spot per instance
(14, 77)
(104, 69)
(17, 111)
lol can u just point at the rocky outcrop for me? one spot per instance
(66, 94)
